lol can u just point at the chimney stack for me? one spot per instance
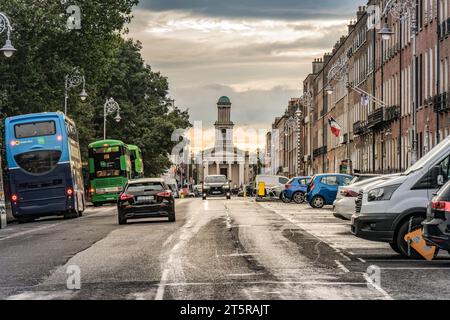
(361, 12)
(317, 65)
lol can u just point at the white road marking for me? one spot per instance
(372, 284)
(239, 255)
(22, 233)
(344, 256)
(416, 268)
(362, 260)
(341, 266)
(162, 285)
(244, 274)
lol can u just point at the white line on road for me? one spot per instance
(341, 266)
(22, 233)
(344, 256)
(244, 274)
(372, 284)
(239, 255)
(362, 260)
(162, 285)
(416, 268)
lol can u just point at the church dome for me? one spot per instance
(224, 101)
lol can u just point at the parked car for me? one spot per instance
(146, 198)
(274, 185)
(436, 229)
(216, 186)
(324, 187)
(344, 206)
(388, 210)
(198, 190)
(296, 189)
(173, 185)
(246, 190)
(360, 177)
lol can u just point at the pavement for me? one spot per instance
(217, 249)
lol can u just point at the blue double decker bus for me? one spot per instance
(44, 166)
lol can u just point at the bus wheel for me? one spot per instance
(71, 214)
(96, 204)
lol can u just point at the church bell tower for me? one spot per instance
(224, 125)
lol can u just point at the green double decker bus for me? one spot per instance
(109, 170)
(137, 163)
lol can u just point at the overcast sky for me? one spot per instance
(257, 52)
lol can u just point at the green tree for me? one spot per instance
(33, 79)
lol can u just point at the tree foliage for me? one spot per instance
(33, 79)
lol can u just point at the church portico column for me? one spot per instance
(217, 168)
(241, 174)
(230, 171)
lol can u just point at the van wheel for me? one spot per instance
(317, 202)
(400, 239)
(299, 197)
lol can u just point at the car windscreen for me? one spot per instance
(145, 187)
(34, 129)
(38, 162)
(217, 179)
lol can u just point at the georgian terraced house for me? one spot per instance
(378, 133)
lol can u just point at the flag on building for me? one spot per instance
(335, 127)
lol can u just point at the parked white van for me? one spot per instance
(387, 211)
(274, 184)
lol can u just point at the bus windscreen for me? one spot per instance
(107, 162)
(35, 129)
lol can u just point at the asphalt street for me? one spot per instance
(217, 249)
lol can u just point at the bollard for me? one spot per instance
(2, 211)
(261, 189)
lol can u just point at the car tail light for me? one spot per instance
(126, 197)
(91, 190)
(440, 205)
(164, 194)
(14, 198)
(288, 186)
(69, 192)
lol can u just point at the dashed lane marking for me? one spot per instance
(341, 266)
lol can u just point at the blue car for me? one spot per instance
(324, 187)
(296, 189)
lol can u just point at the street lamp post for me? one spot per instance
(109, 108)
(8, 50)
(306, 100)
(5, 25)
(405, 10)
(73, 80)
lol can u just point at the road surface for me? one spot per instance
(217, 249)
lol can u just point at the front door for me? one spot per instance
(224, 172)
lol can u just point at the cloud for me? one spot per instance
(261, 9)
(257, 51)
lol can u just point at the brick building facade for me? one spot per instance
(378, 137)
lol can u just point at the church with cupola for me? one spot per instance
(225, 158)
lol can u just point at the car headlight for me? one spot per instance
(226, 187)
(205, 187)
(382, 194)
